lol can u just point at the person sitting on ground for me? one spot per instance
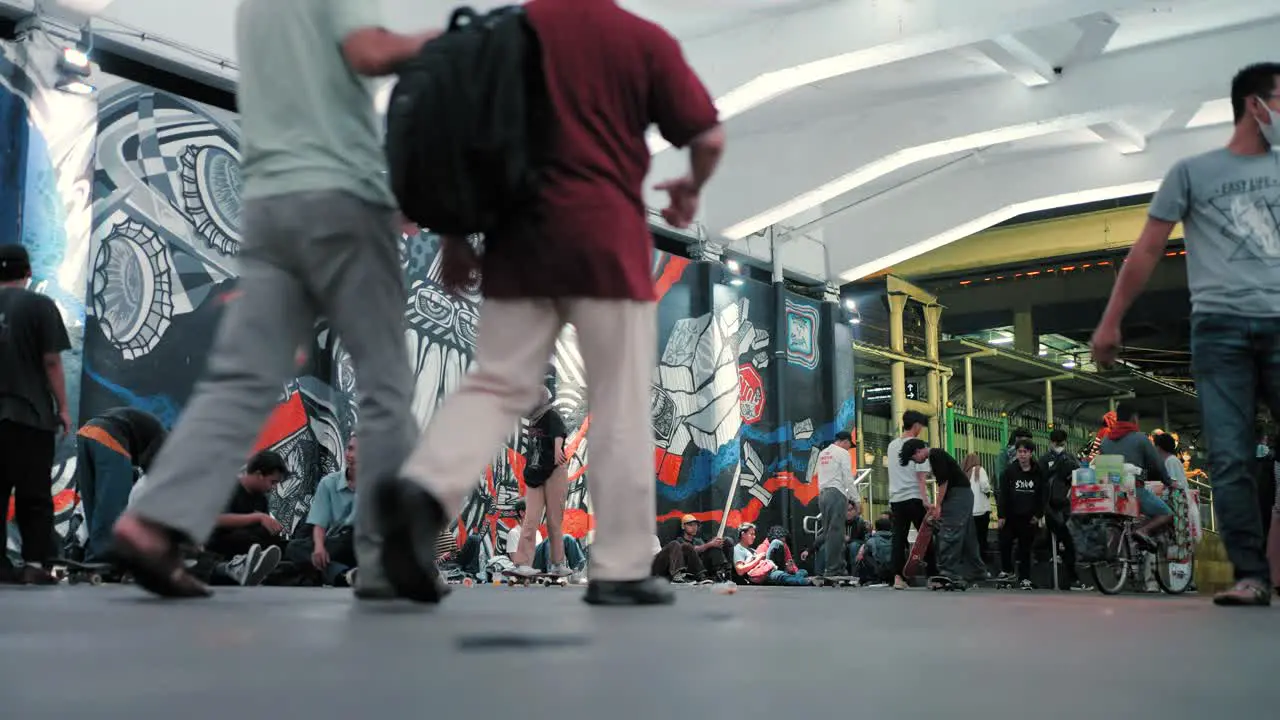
(688, 559)
(1021, 506)
(111, 450)
(856, 531)
(778, 549)
(873, 564)
(958, 557)
(329, 550)
(246, 526)
(574, 556)
(1126, 439)
(754, 566)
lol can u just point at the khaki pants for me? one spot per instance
(618, 342)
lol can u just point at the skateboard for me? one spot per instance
(542, 579)
(844, 581)
(918, 549)
(75, 573)
(942, 582)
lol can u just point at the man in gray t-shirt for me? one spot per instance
(1229, 203)
(319, 240)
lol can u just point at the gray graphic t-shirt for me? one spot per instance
(1230, 207)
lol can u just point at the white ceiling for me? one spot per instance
(883, 128)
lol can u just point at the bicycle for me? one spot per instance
(1124, 553)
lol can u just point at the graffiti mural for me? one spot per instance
(166, 232)
(49, 159)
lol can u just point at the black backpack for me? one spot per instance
(466, 124)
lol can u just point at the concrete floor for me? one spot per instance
(782, 654)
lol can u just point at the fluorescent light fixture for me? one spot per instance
(1044, 353)
(1000, 341)
(733, 265)
(736, 282)
(1070, 364)
(850, 305)
(979, 224)
(855, 321)
(902, 158)
(75, 87)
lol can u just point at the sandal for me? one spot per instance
(164, 574)
(1246, 592)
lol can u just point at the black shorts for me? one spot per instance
(537, 477)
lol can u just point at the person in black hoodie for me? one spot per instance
(1021, 506)
(1058, 464)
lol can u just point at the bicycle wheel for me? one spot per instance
(1110, 577)
(1173, 576)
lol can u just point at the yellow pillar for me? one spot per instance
(932, 330)
(1048, 402)
(897, 369)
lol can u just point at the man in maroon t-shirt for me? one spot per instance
(582, 257)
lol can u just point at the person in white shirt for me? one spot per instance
(981, 485)
(836, 491)
(908, 496)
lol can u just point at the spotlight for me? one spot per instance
(1070, 364)
(736, 282)
(851, 305)
(74, 69)
(855, 320)
(733, 265)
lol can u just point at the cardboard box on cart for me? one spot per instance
(1107, 486)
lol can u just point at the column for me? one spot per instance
(1024, 332)
(897, 369)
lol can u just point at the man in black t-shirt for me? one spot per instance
(246, 527)
(33, 409)
(110, 448)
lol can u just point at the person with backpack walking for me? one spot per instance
(581, 253)
(320, 238)
(1058, 465)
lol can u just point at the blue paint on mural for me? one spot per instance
(162, 406)
(705, 469)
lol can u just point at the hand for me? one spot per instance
(459, 265)
(804, 555)
(561, 458)
(272, 525)
(64, 421)
(716, 542)
(1105, 343)
(862, 551)
(1000, 524)
(683, 206)
(320, 558)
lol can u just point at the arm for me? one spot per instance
(705, 152)
(922, 477)
(370, 49)
(57, 381)
(317, 536)
(54, 340)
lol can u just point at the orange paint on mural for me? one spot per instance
(288, 418)
(805, 492)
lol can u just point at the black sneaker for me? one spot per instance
(411, 521)
(683, 578)
(630, 592)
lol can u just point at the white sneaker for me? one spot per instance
(524, 571)
(559, 570)
(240, 567)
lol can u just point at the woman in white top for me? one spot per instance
(981, 485)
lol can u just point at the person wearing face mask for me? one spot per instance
(1223, 198)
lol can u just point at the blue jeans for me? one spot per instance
(573, 555)
(1151, 505)
(1236, 361)
(781, 577)
(104, 479)
(820, 559)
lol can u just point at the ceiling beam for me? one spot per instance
(1121, 135)
(790, 172)
(1019, 60)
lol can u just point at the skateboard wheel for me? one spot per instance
(95, 580)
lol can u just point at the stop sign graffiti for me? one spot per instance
(750, 394)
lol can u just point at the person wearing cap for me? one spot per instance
(688, 559)
(836, 491)
(246, 526)
(33, 409)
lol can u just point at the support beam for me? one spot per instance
(969, 197)
(898, 369)
(1096, 31)
(1180, 117)
(789, 172)
(1121, 135)
(1019, 60)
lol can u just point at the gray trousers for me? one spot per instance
(957, 538)
(832, 504)
(304, 255)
